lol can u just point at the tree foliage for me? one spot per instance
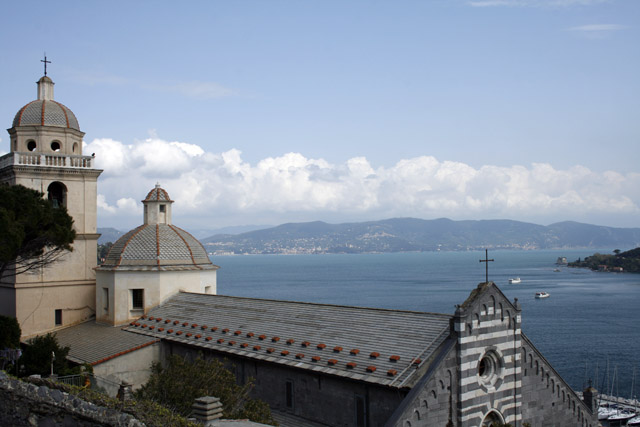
(33, 233)
(629, 261)
(181, 382)
(103, 251)
(36, 357)
(9, 332)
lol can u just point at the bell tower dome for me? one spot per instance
(45, 154)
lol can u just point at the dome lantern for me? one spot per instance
(157, 207)
(45, 89)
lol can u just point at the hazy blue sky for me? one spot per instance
(264, 112)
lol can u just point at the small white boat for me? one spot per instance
(515, 280)
(622, 415)
(634, 421)
(604, 412)
(540, 295)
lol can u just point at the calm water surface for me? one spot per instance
(590, 318)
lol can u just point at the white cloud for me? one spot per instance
(534, 3)
(596, 31)
(200, 90)
(219, 189)
(598, 27)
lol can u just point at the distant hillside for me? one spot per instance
(111, 234)
(108, 235)
(411, 234)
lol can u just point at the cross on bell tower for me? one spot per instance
(45, 63)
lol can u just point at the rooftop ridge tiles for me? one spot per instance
(193, 260)
(335, 369)
(124, 246)
(64, 110)
(316, 304)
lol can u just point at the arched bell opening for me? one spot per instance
(57, 194)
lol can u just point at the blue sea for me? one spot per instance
(589, 322)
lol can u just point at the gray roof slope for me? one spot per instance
(192, 318)
(157, 247)
(93, 343)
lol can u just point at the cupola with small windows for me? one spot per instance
(45, 125)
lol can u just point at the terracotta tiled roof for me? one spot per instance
(400, 337)
(158, 194)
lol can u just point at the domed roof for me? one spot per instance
(46, 113)
(161, 247)
(43, 112)
(158, 194)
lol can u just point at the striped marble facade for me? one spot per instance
(489, 341)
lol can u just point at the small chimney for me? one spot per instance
(207, 409)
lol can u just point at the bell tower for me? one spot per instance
(46, 155)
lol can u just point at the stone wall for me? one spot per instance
(26, 404)
(433, 401)
(314, 396)
(546, 399)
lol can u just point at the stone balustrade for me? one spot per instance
(41, 159)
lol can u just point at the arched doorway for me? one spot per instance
(492, 419)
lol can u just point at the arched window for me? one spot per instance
(55, 146)
(31, 145)
(57, 194)
(493, 418)
(75, 147)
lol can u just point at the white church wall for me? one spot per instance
(156, 287)
(36, 306)
(133, 368)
